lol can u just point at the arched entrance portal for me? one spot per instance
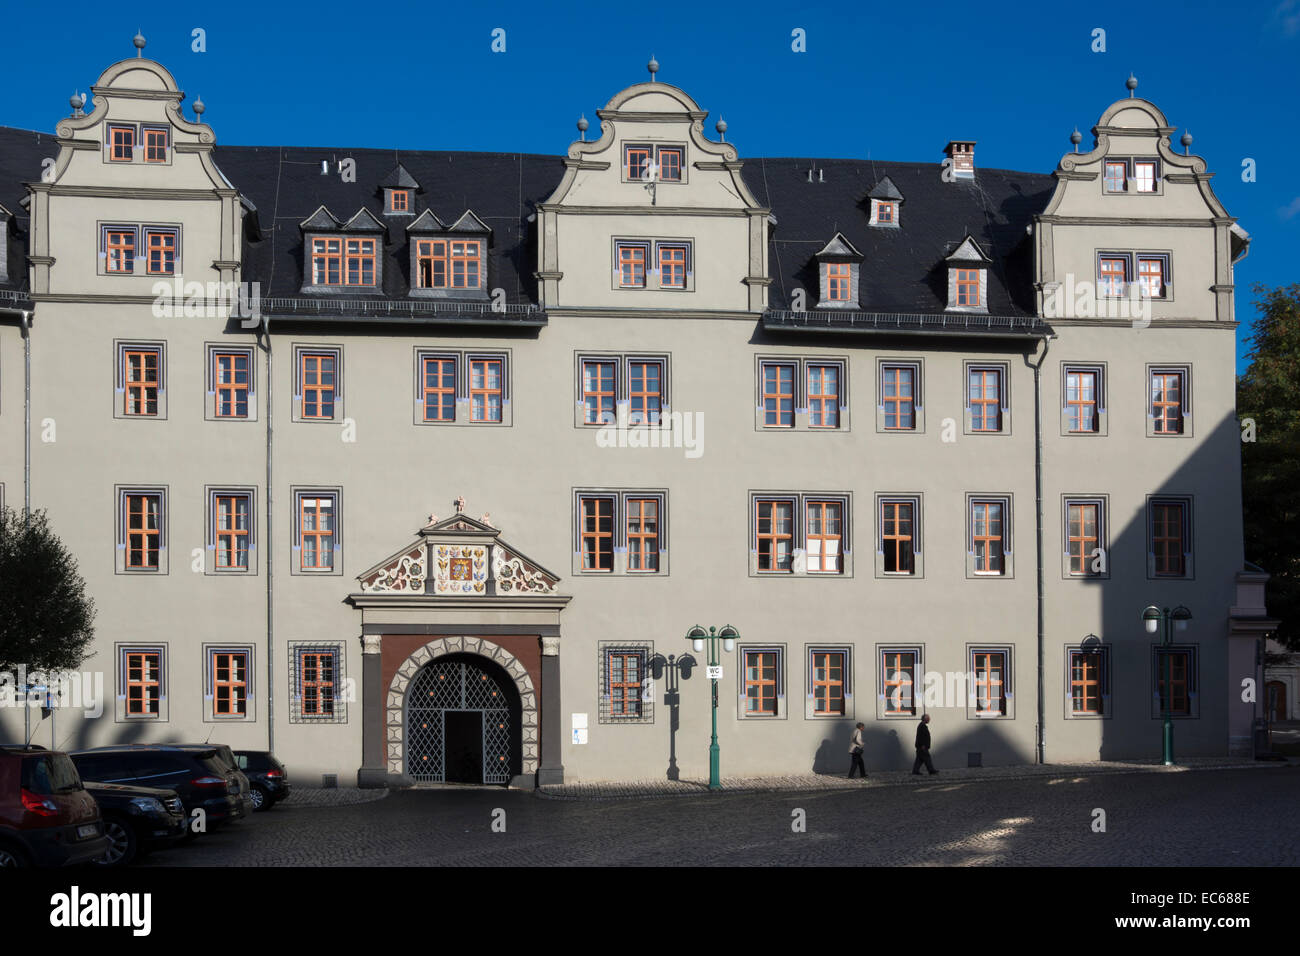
(462, 722)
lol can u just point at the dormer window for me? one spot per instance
(448, 264)
(886, 201)
(342, 256)
(885, 212)
(968, 270)
(968, 288)
(339, 261)
(399, 200)
(399, 188)
(838, 265)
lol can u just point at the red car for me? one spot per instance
(46, 816)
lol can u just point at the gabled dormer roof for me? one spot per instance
(839, 248)
(363, 221)
(399, 178)
(968, 251)
(426, 222)
(885, 189)
(470, 222)
(322, 220)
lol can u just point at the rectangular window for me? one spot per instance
(898, 682)
(485, 390)
(984, 394)
(317, 525)
(230, 378)
(672, 266)
(884, 212)
(778, 394)
(828, 682)
(140, 375)
(968, 287)
(155, 145)
(1151, 276)
(438, 387)
(631, 265)
(1175, 680)
(775, 528)
(160, 252)
(317, 671)
(400, 200)
(1167, 400)
(636, 159)
(1116, 176)
(318, 378)
(1088, 682)
(823, 536)
(1082, 398)
(898, 394)
(990, 683)
(837, 281)
(987, 539)
(1083, 529)
(598, 376)
(119, 250)
(670, 164)
(229, 683)
(233, 515)
(625, 671)
(143, 683)
(1112, 275)
(121, 143)
(465, 265)
(823, 396)
(643, 534)
(143, 528)
(327, 261)
(645, 395)
(360, 261)
(1169, 537)
(1144, 175)
(761, 683)
(596, 533)
(897, 536)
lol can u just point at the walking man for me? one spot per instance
(923, 747)
(855, 749)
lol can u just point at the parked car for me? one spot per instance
(46, 816)
(199, 777)
(268, 777)
(137, 819)
(227, 758)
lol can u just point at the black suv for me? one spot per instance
(199, 777)
(136, 819)
(267, 775)
(227, 758)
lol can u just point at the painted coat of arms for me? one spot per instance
(460, 569)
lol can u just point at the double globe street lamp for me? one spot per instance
(698, 637)
(1153, 617)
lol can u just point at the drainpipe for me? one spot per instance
(1040, 743)
(27, 471)
(269, 551)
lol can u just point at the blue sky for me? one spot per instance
(892, 82)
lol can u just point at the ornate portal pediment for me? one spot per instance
(459, 557)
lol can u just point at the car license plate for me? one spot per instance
(89, 830)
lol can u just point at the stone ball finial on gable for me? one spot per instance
(653, 67)
(1186, 140)
(1131, 84)
(139, 42)
(199, 105)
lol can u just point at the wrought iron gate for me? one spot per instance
(455, 686)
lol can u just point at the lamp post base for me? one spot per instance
(1169, 743)
(715, 780)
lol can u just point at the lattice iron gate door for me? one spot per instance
(456, 686)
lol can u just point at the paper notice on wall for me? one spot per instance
(579, 735)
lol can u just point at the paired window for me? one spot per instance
(317, 531)
(608, 381)
(1115, 270)
(802, 393)
(897, 682)
(668, 160)
(900, 395)
(122, 245)
(455, 264)
(1083, 401)
(1169, 536)
(340, 261)
(461, 388)
(127, 142)
(1169, 400)
(1175, 679)
(1132, 175)
(762, 690)
(990, 681)
(1088, 681)
(815, 524)
(653, 264)
(989, 523)
(621, 532)
(1085, 538)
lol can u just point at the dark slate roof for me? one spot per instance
(903, 269)
(885, 189)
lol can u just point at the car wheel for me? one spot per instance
(261, 799)
(11, 857)
(121, 843)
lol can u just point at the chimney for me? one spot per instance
(962, 154)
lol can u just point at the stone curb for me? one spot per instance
(829, 783)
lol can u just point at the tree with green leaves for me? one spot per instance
(46, 617)
(1268, 394)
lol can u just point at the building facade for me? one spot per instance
(441, 495)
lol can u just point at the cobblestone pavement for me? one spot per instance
(331, 797)
(1190, 818)
(628, 789)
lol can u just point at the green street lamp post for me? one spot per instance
(1153, 617)
(713, 637)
